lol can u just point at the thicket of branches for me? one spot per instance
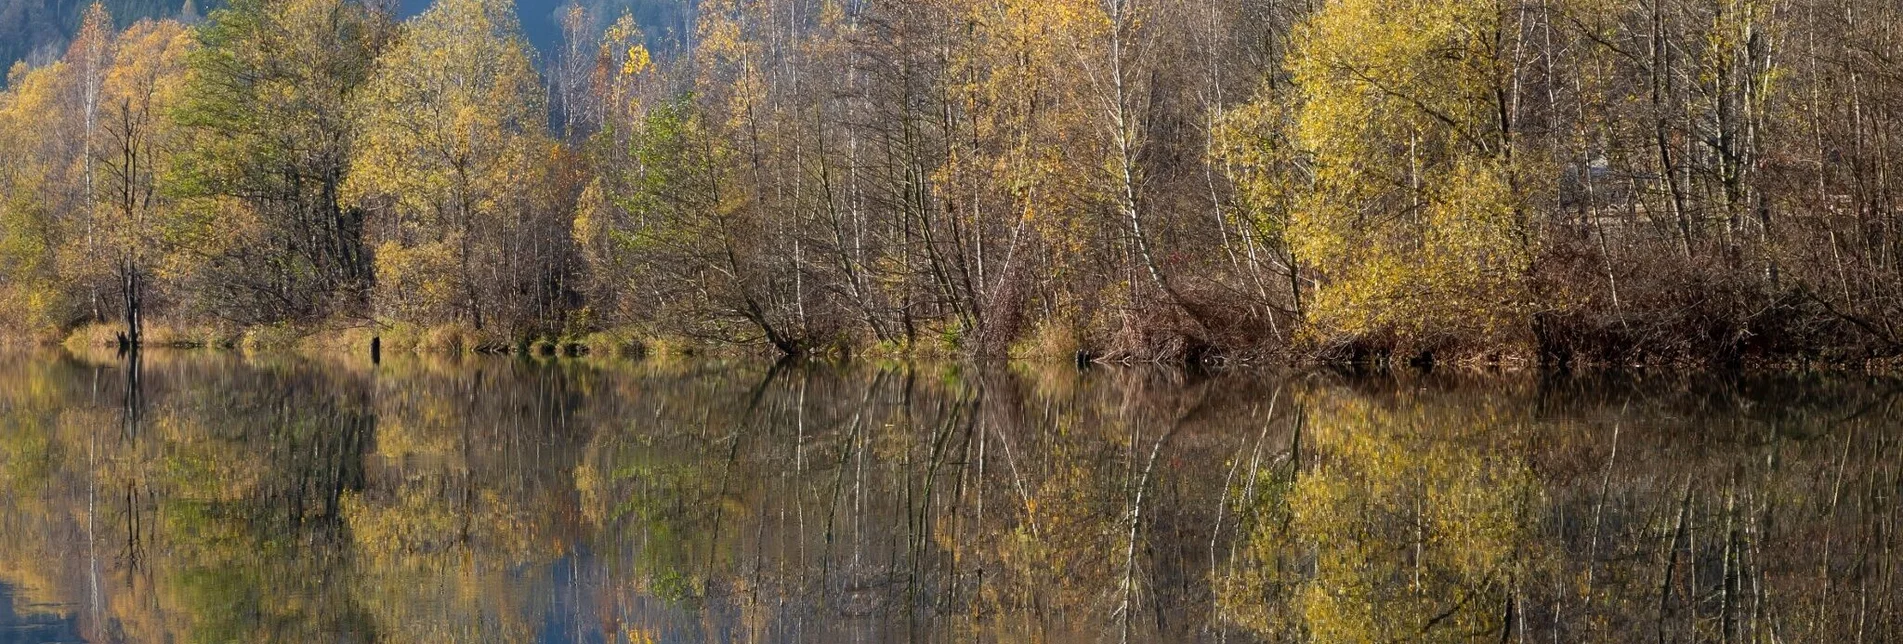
(1597, 180)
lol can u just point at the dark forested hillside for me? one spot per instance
(37, 31)
(543, 20)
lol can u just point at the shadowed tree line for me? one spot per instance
(1600, 181)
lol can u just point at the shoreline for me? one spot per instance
(627, 344)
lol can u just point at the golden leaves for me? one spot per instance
(638, 61)
(453, 128)
(1407, 512)
(1389, 168)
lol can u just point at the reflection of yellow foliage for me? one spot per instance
(1417, 521)
(439, 568)
(588, 486)
(398, 439)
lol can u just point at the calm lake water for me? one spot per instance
(213, 498)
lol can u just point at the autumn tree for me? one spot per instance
(454, 145)
(36, 202)
(269, 107)
(137, 134)
(51, 210)
(1406, 194)
(91, 54)
(624, 84)
(694, 195)
(571, 75)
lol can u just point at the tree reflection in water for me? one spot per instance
(209, 497)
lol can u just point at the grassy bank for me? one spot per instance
(392, 338)
(1047, 343)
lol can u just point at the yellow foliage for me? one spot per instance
(1417, 522)
(41, 165)
(638, 61)
(626, 67)
(1388, 173)
(453, 129)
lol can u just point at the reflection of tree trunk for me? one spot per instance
(1828, 573)
(135, 550)
(1254, 475)
(1136, 524)
(1247, 500)
(1598, 510)
(132, 401)
(1506, 622)
(754, 399)
(1671, 559)
(318, 450)
(1728, 575)
(924, 531)
(852, 447)
(468, 462)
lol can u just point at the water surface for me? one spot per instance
(206, 497)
